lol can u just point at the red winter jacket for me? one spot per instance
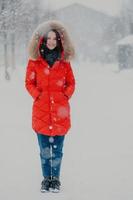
(51, 89)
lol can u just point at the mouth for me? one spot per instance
(51, 45)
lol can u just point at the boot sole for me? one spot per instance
(54, 190)
(44, 191)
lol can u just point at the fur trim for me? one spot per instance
(41, 30)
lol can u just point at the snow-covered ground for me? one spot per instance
(98, 151)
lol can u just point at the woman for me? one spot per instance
(51, 83)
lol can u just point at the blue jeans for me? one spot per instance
(50, 154)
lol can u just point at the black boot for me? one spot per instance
(55, 184)
(45, 185)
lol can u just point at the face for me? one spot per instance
(51, 40)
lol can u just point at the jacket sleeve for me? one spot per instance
(30, 80)
(70, 82)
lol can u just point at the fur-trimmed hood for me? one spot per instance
(40, 32)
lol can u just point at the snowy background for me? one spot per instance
(98, 151)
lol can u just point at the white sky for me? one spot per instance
(111, 7)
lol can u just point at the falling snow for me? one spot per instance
(56, 162)
(106, 103)
(46, 71)
(32, 75)
(50, 127)
(62, 112)
(46, 153)
(59, 82)
(51, 139)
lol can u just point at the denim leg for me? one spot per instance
(45, 154)
(57, 153)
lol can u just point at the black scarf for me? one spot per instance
(51, 55)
